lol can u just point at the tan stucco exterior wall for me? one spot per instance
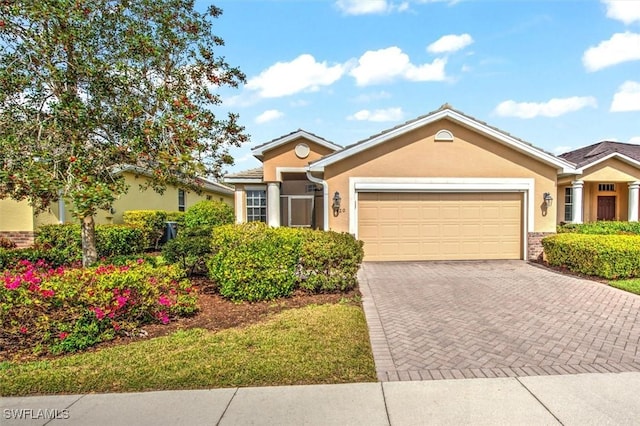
(612, 170)
(136, 199)
(416, 154)
(16, 216)
(285, 156)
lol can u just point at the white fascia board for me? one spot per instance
(259, 152)
(243, 180)
(529, 150)
(621, 157)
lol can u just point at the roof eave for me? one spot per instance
(259, 151)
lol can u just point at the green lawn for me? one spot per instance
(631, 285)
(315, 344)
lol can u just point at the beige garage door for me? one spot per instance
(440, 226)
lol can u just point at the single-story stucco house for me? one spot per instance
(19, 222)
(443, 186)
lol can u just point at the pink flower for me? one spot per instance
(47, 293)
(99, 312)
(163, 317)
(63, 335)
(140, 261)
(12, 285)
(164, 301)
(115, 325)
(121, 301)
(23, 330)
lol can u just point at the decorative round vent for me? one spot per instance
(302, 150)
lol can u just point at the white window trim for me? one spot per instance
(374, 184)
(246, 205)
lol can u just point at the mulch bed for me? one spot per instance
(215, 314)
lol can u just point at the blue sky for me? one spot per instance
(559, 74)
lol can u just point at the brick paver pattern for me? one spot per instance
(445, 320)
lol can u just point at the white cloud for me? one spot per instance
(379, 115)
(269, 115)
(363, 7)
(635, 140)
(385, 65)
(621, 47)
(450, 43)
(369, 97)
(562, 149)
(553, 108)
(627, 11)
(627, 98)
(288, 78)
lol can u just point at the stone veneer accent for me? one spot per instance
(21, 238)
(534, 245)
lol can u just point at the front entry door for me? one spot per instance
(606, 207)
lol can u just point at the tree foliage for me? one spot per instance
(90, 86)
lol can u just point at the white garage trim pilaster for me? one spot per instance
(381, 184)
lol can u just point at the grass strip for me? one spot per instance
(630, 285)
(311, 345)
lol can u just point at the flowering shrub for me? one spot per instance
(56, 310)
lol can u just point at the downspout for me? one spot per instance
(61, 217)
(325, 199)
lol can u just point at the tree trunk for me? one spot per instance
(89, 251)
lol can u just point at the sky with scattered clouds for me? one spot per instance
(558, 74)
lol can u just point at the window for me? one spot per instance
(607, 187)
(256, 206)
(568, 204)
(208, 197)
(182, 198)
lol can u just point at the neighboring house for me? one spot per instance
(18, 221)
(442, 186)
(605, 184)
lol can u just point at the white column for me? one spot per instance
(273, 204)
(634, 190)
(577, 200)
(239, 204)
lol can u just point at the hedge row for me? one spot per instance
(254, 262)
(601, 228)
(607, 256)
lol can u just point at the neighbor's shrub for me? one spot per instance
(63, 242)
(607, 256)
(191, 249)
(10, 257)
(6, 243)
(152, 223)
(601, 228)
(65, 310)
(208, 213)
(254, 262)
(329, 261)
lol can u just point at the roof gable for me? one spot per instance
(445, 112)
(601, 151)
(260, 150)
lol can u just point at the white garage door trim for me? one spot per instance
(452, 185)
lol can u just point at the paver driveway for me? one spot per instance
(434, 320)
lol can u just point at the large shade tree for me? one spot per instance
(89, 86)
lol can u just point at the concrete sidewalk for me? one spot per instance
(580, 399)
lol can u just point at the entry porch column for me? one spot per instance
(576, 213)
(273, 204)
(634, 190)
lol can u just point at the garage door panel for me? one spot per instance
(440, 226)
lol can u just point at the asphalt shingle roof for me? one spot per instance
(589, 154)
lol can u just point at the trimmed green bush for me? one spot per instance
(63, 243)
(254, 262)
(329, 261)
(191, 249)
(601, 228)
(208, 213)
(607, 256)
(152, 223)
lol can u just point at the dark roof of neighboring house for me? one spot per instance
(592, 153)
(255, 173)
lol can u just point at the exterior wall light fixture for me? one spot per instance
(548, 199)
(336, 203)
